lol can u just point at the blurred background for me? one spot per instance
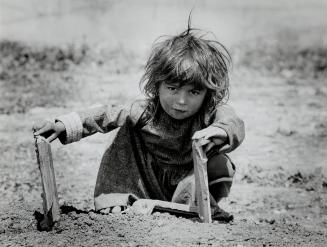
(136, 24)
(60, 56)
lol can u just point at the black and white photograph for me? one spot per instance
(163, 123)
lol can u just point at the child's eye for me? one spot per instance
(172, 88)
(195, 92)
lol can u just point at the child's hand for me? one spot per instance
(211, 136)
(49, 130)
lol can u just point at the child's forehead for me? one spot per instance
(190, 85)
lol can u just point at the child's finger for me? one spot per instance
(38, 132)
(52, 137)
(217, 141)
(209, 146)
(216, 132)
(38, 126)
(208, 132)
(40, 129)
(198, 135)
(195, 136)
(45, 128)
(203, 141)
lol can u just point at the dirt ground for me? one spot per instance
(279, 195)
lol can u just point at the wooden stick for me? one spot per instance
(50, 195)
(202, 195)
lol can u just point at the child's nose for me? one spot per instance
(181, 98)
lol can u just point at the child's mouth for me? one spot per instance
(179, 110)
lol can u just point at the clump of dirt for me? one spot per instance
(315, 181)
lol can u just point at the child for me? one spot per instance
(186, 82)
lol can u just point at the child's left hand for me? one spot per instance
(211, 136)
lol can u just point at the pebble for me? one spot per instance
(73, 215)
(272, 221)
(285, 130)
(16, 226)
(156, 214)
(282, 211)
(129, 244)
(61, 243)
(89, 223)
(160, 223)
(105, 211)
(93, 216)
(61, 202)
(116, 210)
(290, 206)
(286, 73)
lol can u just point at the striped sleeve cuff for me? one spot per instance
(74, 127)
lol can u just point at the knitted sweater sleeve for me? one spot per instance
(100, 119)
(224, 117)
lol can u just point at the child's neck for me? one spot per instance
(164, 116)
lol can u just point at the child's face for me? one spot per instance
(180, 102)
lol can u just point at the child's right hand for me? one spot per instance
(49, 130)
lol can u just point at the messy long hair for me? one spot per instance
(187, 58)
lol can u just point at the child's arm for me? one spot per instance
(97, 119)
(225, 118)
(74, 126)
(226, 130)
